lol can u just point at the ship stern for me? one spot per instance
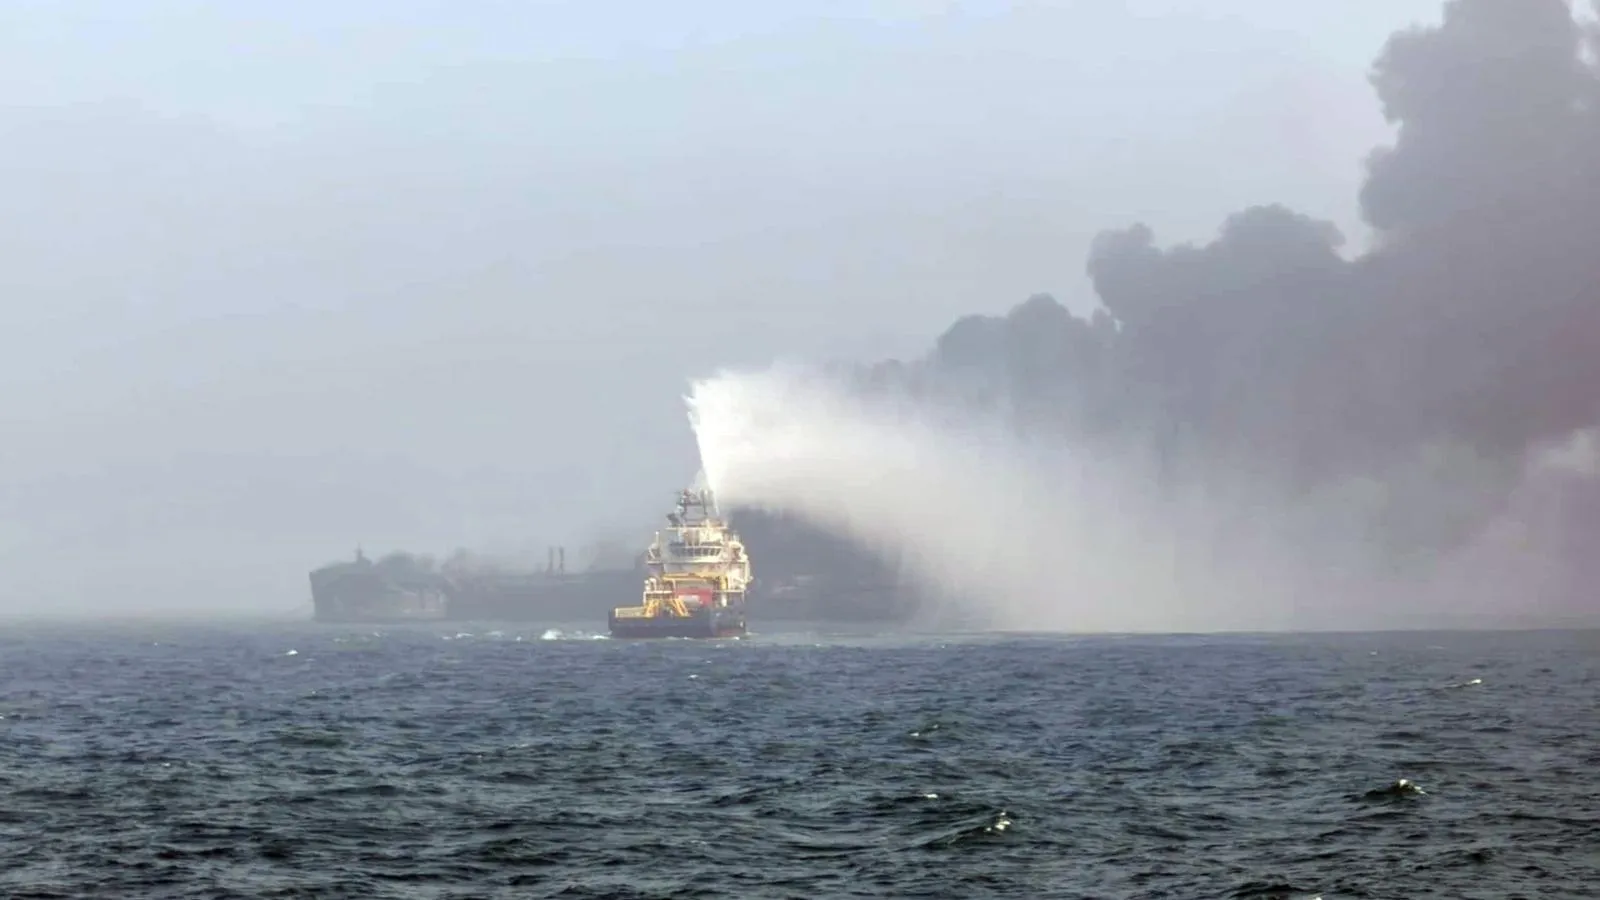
(706, 622)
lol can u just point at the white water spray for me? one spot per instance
(1025, 536)
(1042, 538)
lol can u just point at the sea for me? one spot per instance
(278, 760)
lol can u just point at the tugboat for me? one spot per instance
(696, 575)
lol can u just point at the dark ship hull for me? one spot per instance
(705, 622)
(536, 597)
(380, 607)
(406, 588)
(362, 591)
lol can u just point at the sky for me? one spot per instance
(281, 279)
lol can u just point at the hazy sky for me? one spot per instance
(282, 278)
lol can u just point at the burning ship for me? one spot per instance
(404, 587)
(696, 576)
(395, 588)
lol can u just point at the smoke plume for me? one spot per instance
(1260, 431)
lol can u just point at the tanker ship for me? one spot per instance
(696, 576)
(397, 588)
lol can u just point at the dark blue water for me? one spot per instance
(183, 761)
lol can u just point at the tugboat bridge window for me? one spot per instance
(693, 551)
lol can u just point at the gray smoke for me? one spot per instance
(1434, 365)
(1417, 421)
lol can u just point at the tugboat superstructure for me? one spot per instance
(697, 575)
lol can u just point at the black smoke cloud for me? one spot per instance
(1464, 348)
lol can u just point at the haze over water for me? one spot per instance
(288, 278)
(417, 276)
